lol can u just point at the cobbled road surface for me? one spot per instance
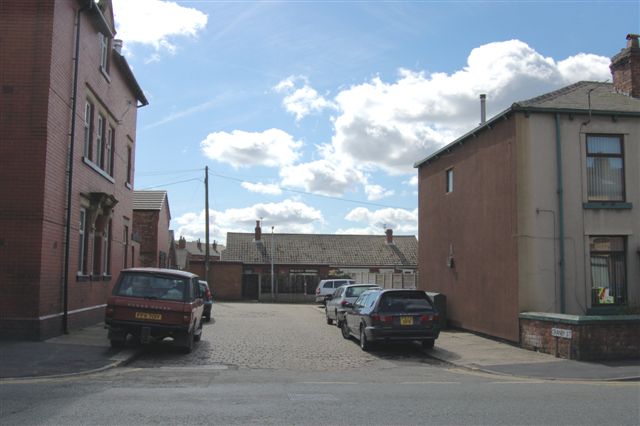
(278, 336)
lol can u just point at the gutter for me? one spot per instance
(559, 191)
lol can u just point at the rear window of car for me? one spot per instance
(356, 291)
(404, 302)
(150, 286)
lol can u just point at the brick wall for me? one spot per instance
(226, 280)
(582, 338)
(35, 127)
(145, 226)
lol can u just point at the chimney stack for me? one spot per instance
(258, 235)
(389, 233)
(182, 243)
(199, 245)
(483, 108)
(625, 68)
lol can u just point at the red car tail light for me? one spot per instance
(429, 318)
(387, 319)
(344, 302)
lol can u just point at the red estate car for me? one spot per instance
(152, 304)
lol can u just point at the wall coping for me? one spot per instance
(579, 319)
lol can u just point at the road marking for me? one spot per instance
(429, 383)
(328, 383)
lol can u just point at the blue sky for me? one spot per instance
(310, 115)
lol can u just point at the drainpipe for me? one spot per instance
(72, 137)
(561, 260)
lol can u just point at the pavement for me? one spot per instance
(87, 350)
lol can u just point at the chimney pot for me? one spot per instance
(483, 108)
(117, 46)
(258, 234)
(389, 233)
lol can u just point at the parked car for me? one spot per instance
(208, 299)
(342, 296)
(327, 287)
(392, 316)
(151, 304)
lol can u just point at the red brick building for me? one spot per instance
(68, 109)
(532, 218)
(151, 219)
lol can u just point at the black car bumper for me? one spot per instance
(387, 334)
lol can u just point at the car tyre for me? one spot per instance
(345, 330)
(117, 343)
(428, 344)
(329, 320)
(188, 344)
(364, 343)
(198, 336)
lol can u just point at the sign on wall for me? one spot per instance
(561, 332)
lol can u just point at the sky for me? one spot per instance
(311, 114)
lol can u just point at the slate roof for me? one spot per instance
(319, 249)
(149, 200)
(575, 98)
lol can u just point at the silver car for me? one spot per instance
(335, 306)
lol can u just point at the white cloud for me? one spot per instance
(156, 23)
(262, 188)
(403, 222)
(376, 192)
(301, 100)
(389, 126)
(272, 148)
(288, 216)
(322, 176)
(412, 182)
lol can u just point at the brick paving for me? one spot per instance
(278, 336)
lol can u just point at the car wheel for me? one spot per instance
(345, 330)
(364, 343)
(197, 337)
(188, 344)
(428, 344)
(117, 344)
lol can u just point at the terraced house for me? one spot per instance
(68, 126)
(530, 223)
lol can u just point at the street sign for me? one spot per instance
(561, 332)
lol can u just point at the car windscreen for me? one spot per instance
(356, 291)
(413, 301)
(150, 286)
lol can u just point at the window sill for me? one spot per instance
(100, 278)
(97, 169)
(128, 185)
(82, 278)
(607, 206)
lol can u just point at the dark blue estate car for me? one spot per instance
(392, 316)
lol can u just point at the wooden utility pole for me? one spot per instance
(206, 225)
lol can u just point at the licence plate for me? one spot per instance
(406, 320)
(148, 316)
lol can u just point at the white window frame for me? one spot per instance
(108, 167)
(88, 116)
(99, 141)
(104, 50)
(106, 248)
(82, 241)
